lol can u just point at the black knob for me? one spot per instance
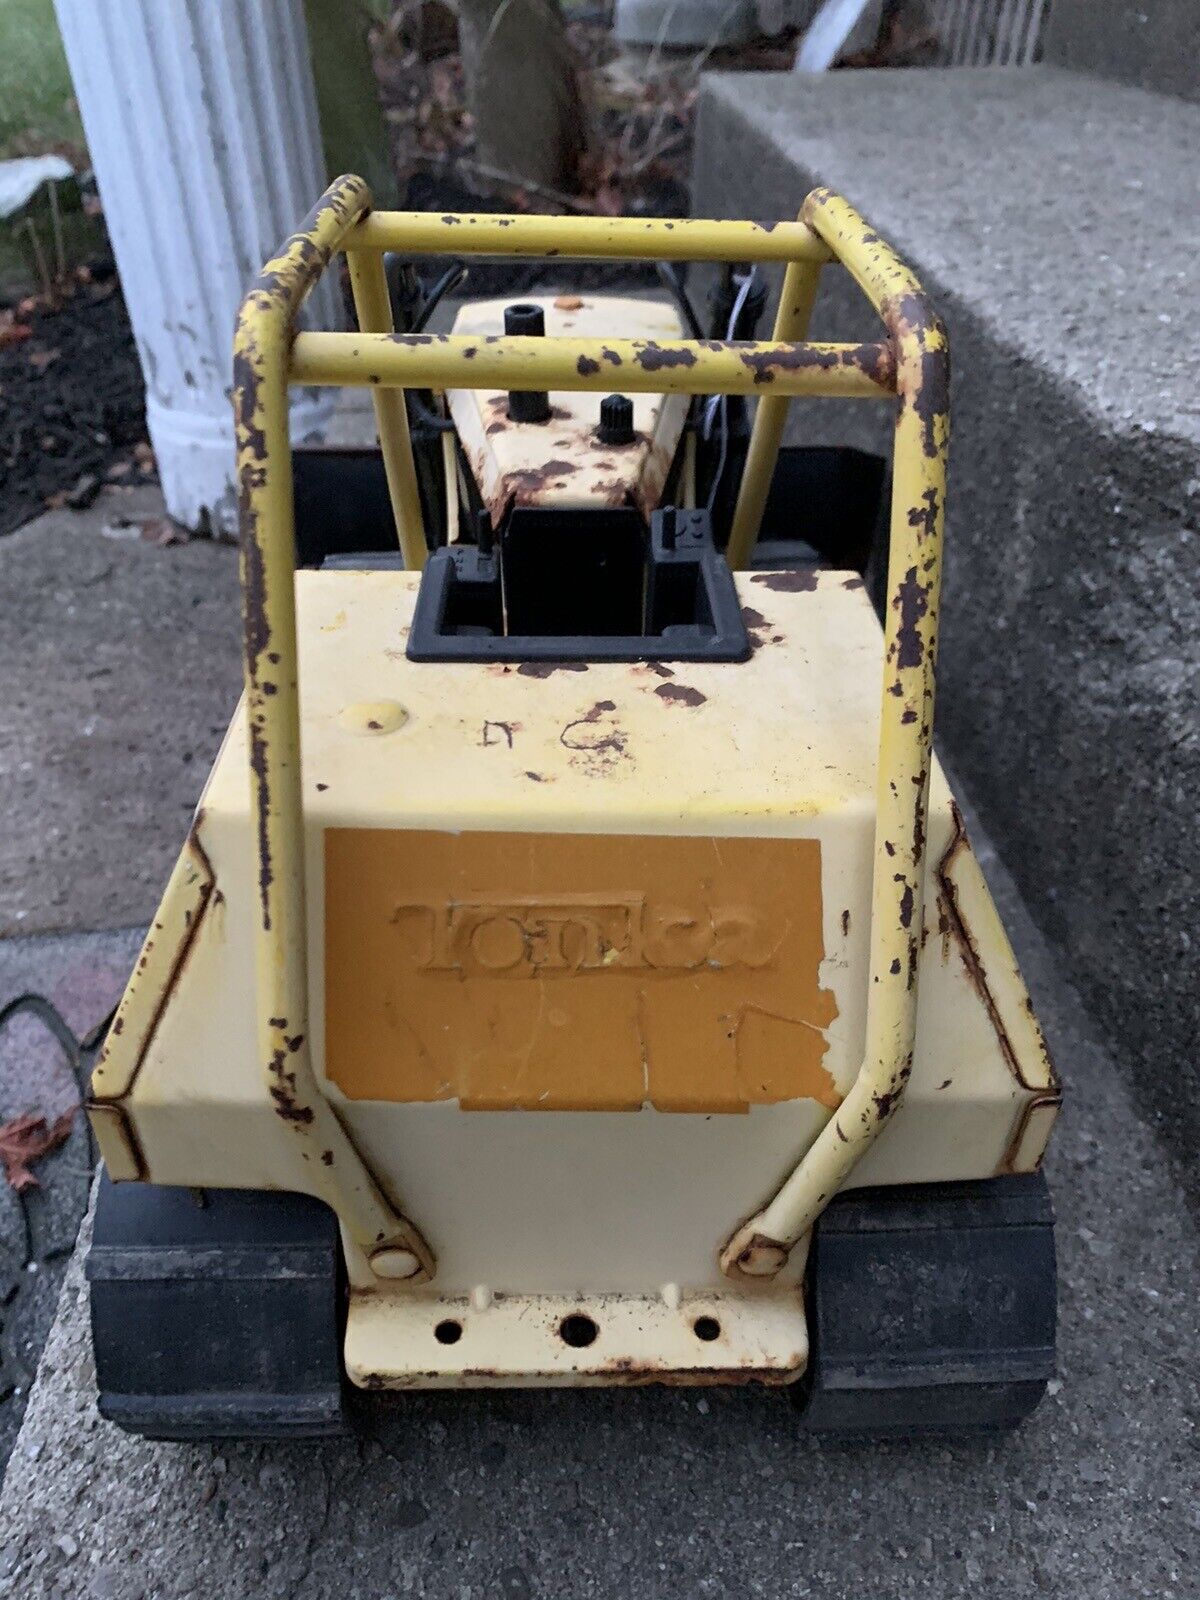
(616, 420)
(524, 318)
(528, 405)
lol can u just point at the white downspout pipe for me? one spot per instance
(201, 121)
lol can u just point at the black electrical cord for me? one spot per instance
(672, 279)
(422, 411)
(450, 279)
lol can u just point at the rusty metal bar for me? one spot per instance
(262, 348)
(796, 298)
(372, 302)
(913, 364)
(760, 1247)
(677, 366)
(587, 238)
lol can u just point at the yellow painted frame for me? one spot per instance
(910, 364)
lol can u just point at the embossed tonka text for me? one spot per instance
(575, 972)
(532, 936)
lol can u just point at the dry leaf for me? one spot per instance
(27, 1139)
(162, 531)
(568, 302)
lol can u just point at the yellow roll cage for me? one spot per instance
(910, 364)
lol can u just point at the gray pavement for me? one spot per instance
(120, 664)
(670, 1492)
(82, 977)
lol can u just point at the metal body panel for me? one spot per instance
(561, 462)
(933, 1067)
(517, 1341)
(582, 1202)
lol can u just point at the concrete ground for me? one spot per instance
(120, 660)
(81, 976)
(670, 1492)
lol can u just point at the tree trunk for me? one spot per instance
(522, 91)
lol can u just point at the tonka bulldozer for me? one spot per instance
(577, 971)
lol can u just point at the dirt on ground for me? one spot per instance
(72, 400)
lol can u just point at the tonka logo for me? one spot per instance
(572, 934)
(572, 972)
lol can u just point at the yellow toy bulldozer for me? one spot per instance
(577, 971)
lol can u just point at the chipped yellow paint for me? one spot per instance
(262, 347)
(918, 340)
(563, 463)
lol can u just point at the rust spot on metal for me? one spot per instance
(887, 1102)
(911, 319)
(326, 1158)
(204, 896)
(906, 900)
(603, 746)
(976, 971)
(585, 366)
(1009, 1159)
(535, 777)
(612, 491)
(760, 1245)
(925, 516)
(796, 580)
(680, 694)
(543, 669)
(283, 1092)
(658, 668)
(846, 921)
(912, 601)
(853, 583)
(652, 357)
(876, 360)
(757, 627)
(526, 484)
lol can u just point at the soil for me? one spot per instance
(72, 401)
